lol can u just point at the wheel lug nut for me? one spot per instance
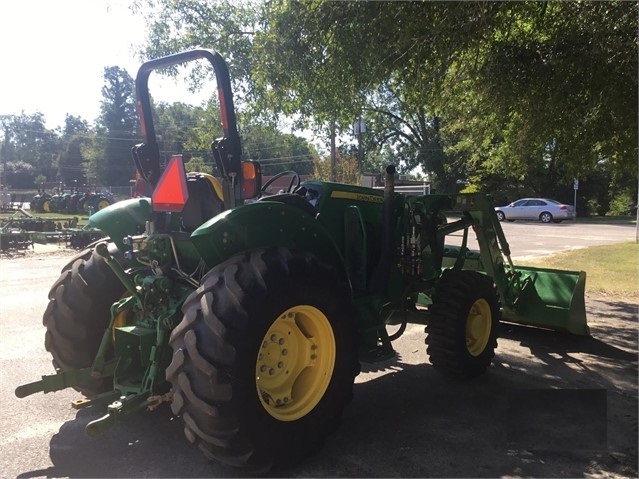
(313, 356)
(313, 347)
(271, 371)
(285, 399)
(273, 338)
(264, 345)
(262, 368)
(278, 402)
(284, 352)
(260, 357)
(281, 341)
(280, 365)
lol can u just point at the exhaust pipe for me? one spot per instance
(379, 279)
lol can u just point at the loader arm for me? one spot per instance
(546, 298)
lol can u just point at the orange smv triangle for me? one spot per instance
(171, 192)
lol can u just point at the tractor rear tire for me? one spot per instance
(264, 359)
(78, 312)
(463, 324)
(100, 202)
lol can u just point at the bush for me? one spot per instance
(623, 204)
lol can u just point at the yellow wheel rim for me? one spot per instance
(295, 363)
(46, 207)
(478, 326)
(102, 204)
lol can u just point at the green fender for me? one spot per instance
(122, 219)
(266, 224)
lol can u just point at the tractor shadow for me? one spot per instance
(148, 444)
(523, 418)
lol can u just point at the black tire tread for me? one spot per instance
(207, 394)
(77, 314)
(446, 327)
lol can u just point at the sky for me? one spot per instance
(54, 52)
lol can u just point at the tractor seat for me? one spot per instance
(205, 200)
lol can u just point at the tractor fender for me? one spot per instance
(122, 219)
(266, 224)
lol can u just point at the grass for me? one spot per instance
(630, 220)
(610, 269)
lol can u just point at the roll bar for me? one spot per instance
(227, 150)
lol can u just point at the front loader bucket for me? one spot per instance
(550, 298)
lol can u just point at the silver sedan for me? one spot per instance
(538, 209)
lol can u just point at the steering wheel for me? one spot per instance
(294, 183)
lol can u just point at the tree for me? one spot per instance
(277, 151)
(227, 26)
(187, 130)
(71, 162)
(536, 93)
(409, 137)
(28, 149)
(109, 157)
(346, 170)
(549, 94)
(197, 164)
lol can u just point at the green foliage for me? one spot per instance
(109, 158)
(346, 170)
(612, 269)
(92, 153)
(514, 98)
(28, 148)
(277, 151)
(197, 165)
(530, 93)
(228, 26)
(624, 203)
(19, 173)
(117, 110)
(187, 130)
(558, 81)
(76, 135)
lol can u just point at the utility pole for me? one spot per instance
(574, 201)
(637, 222)
(359, 127)
(333, 151)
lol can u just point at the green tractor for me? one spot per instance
(250, 313)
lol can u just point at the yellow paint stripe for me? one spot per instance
(348, 195)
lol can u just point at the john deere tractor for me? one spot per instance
(251, 313)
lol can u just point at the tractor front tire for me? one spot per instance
(78, 312)
(264, 359)
(463, 324)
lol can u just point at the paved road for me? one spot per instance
(406, 420)
(533, 239)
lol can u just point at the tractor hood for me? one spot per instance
(122, 219)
